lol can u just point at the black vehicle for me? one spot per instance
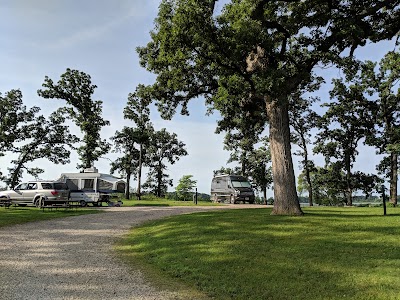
(231, 189)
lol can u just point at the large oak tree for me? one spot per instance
(256, 53)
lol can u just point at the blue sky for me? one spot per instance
(99, 37)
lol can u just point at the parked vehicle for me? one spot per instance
(231, 189)
(33, 192)
(92, 187)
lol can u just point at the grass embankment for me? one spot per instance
(330, 253)
(19, 215)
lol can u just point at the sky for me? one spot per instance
(99, 37)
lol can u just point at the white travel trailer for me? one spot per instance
(92, 187)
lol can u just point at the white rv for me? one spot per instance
(92, 187)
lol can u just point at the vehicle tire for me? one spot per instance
(83, 203)
(41, 202)
(36, 202)
(232, 199)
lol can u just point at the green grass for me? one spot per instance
(330, 253)
(18, 215)
(149, 200)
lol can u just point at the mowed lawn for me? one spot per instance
(330, 253)
(18, 215)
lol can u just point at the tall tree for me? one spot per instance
(138, 110)
(164, 147)
(76, 89)
(45, 138)
(259, 169)
(381, 86)
(124, 142)
(345, 123)
(257, 53)
(302, 120)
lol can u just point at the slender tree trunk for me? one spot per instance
(265, 194)
(393, 177)
(128, 180)
(139, 192)
(243, 158)
(307, 169)
(159, 180)
(349, 191)
(286, 201)
(310, 189)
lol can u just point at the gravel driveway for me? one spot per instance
(72, 258)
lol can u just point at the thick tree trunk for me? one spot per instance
(285, 195)
(393, 177)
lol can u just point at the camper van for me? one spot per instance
(92, 187)
(231, 189)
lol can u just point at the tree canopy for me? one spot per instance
(76, 89)
(256, 53)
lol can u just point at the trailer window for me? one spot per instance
(73, 184)
(88, 184)
(121, 187)
(104, 185)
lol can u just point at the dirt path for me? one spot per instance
(72, 258)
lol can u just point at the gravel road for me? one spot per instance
(72, 258)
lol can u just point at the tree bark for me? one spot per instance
(307, 169)
(265, 194)
(349, 188)
(139, 192)
(393, 177)
(128, 180)
(286, 201)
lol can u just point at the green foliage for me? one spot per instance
(76, 89)
(185, 187)
(335, 253)
(138, 110)
(124, 142)
(164, 147)
(46, 138)
(345, 123)
(14, 117)
(250, 57)
(31, 137)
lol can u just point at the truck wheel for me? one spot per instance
(232, 199)
(83, 203)
(41, 202)
(37, 202)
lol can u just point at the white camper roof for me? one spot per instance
(106, 177)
